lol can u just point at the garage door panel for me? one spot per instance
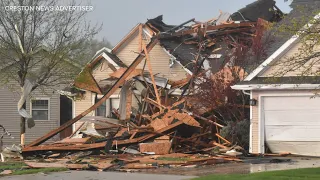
(291, 102)
(292, 133)
(295, 147)
(290, 117)
(292, 124)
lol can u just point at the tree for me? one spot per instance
(36, 44)
(91, 47)
(300, 23)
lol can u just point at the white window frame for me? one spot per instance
(48, 99)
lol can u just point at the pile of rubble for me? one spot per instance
(165, 131)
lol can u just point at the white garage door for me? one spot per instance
(292, 124)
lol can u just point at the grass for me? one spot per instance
(20, 168)
(295, 174)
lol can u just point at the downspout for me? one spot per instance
(250, 131)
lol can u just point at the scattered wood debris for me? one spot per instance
(164, 131)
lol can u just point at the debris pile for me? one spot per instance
(165, 130)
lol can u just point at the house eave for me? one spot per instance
(275, 86)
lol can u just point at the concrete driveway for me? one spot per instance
(94, 175)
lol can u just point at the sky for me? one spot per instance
(120, 16)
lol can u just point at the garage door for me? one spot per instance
(292, 124)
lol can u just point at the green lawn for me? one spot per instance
(19, 168)
(295, 174)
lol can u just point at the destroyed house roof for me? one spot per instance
(258, 9)
(185, 47)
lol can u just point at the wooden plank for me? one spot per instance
(102, 144)
(56, 165)
(151, 74)
(219, 136)
(128, 104)
(156, 147)
(220, 145)
(75, 131)
(119, 82)
(138, 166)
(73, 141)
(209, 28)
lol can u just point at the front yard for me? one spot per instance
(19, 168)
(295, 174)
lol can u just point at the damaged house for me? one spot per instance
(133, 99)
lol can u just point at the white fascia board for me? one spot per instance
(126, 36)
(175, 59)
(271, 58)
(105, 56)
(275, 55)
(275, 86)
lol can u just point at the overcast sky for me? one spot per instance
(120, 16)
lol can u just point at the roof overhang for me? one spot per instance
(275, 86)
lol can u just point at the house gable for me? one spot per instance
(160, 59)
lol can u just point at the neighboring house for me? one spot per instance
(48, 107)
(284, 117)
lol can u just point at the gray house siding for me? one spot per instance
(10, 118)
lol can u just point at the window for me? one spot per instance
(101, 110)
(40, 109)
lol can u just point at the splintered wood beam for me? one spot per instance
(151, 101)
(222, 138)
(101, 144)
(208, 28)
(151, 74)
(117, 84)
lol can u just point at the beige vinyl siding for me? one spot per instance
(102, 71)
(255, 111)
(82, 105)
(280, 65)
(10, 118)
(42, 127)
(159, 59)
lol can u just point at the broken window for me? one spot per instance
(40, 109)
